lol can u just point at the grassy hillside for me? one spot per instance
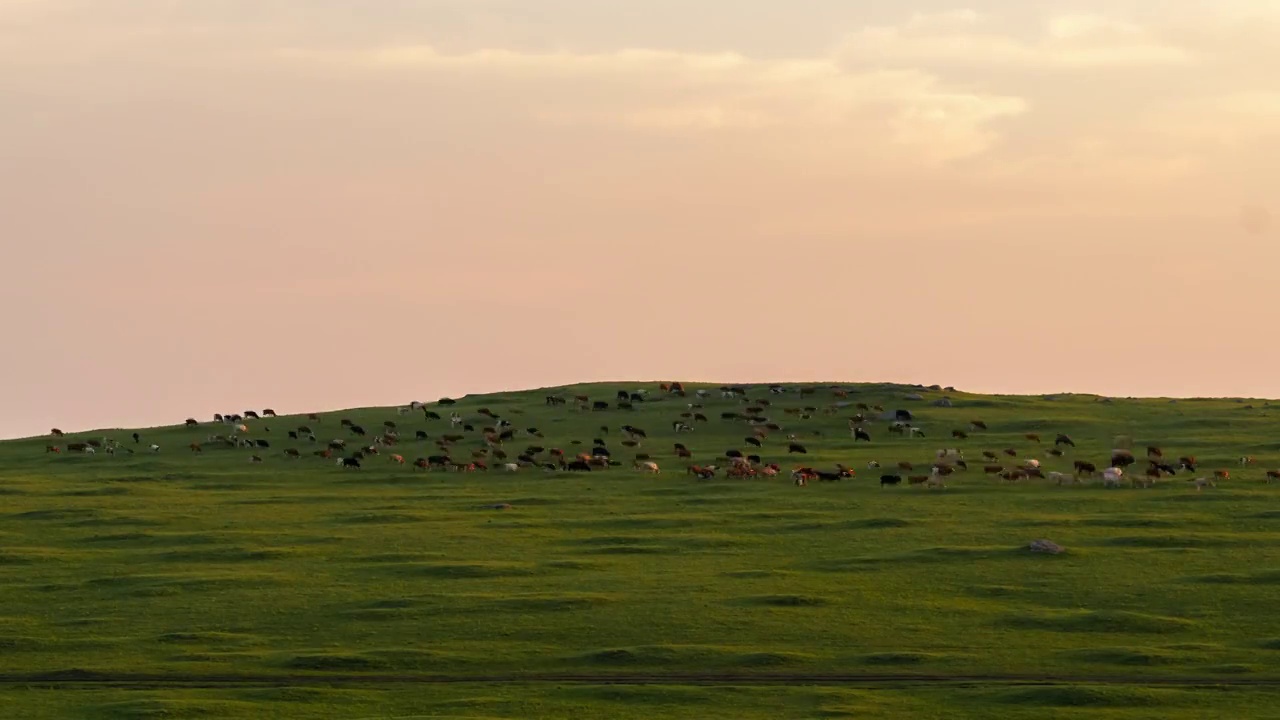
(325, 592)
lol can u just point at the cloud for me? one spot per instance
(678, 92)
(969, 39)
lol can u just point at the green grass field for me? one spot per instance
(182, 585)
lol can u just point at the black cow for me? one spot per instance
(860, 434)
(796, 448)
(733, 453)
(192, 422)
(578, 466)
(137, 438)
(439, 460)
(752, 441)
(902, 416)
(420, 435)
(251, 414)
(350, 462)
(1063, 440)
(448, 401)
(600, 451)
(293, 434)
(431, 415)
(357, 430)
(262, 443)
(890, 480)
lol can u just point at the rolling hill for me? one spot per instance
(179, 583)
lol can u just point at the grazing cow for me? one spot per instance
(1085, 468)
(195, 447)
(977, 425)
(1221, 475)
(52, 449)
(326, 454)
(679, 426)
(890, 480)
(1272, 475)
(1054, 452)
(959, 435)
(397, 459)
(873, 465)
(1111, 476)
(1202, 482)
(917, 479)
(860, 434)
(293, 453)
(942, 470)
(1121, 458)
(796, 448)
(56, 432)
(1063, 440)
(578, 466)
(1011, 452)
(1246, 460)
(702, 473)
(752, 441)
(1063, 478)
(989, 455)
(1153, 451)
(192, 422)
(904, 465)
(251, 414)
(993, 469)
(1014, 475)
(262, 443)
(510, 467)
(155, 448)
(1033, 437)
(647, 466)
(269, 413)
(349, 462)
(915, 432)
(77, 447)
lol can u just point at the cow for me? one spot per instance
(873, 465)
(269, 413)
(917, 479)
(56, 432)
(752, 441)
(1246, 460)
(977, 425)
(1202, 482)
(1054, 452)
(349, 462)
(293, 453)
(1033, 437)
(397, 459)
(1063, 478)
(52, 449)
(251, 414)
(578, 466)
(1121, 458)
(195, 447)
(136, 438)
(796, 448)
(1011, 452)
(262, 443)
(861, 435)
(1085, 468)
(155, 448)
(1063, 440)
(959, 435)
(648, 466)
(989, 455)
(1221, 475)
(993, 469)
(915, 432)
(1111, 476)
(904, 465)
(77, 447)
(1272, 475)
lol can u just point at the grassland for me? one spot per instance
(184, 585)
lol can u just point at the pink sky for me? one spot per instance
(216, 206)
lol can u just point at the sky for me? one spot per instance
(218, 205)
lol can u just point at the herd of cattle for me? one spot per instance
(485, 440)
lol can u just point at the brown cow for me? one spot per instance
(1273, 475)
(195, 447)
(1032, 437)
(992, 469)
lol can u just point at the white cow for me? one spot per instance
(1111, 476)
